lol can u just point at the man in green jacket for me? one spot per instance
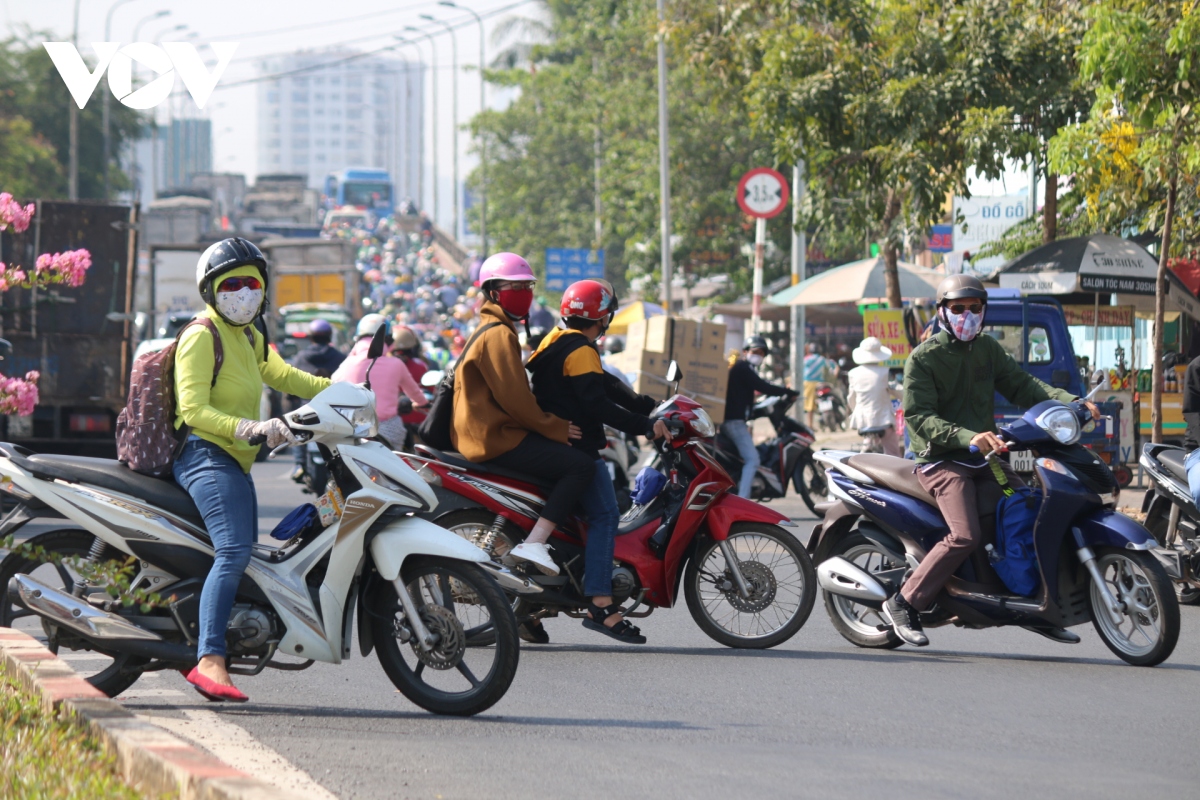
(950, 382)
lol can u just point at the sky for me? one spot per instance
(269, 27)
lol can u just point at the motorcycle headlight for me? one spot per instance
(703, 424)
(379, 478)
(1062, 425)
(361, 418)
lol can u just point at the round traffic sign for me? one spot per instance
(762, 192)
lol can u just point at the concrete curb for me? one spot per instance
(155, 762)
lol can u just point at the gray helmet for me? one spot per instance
(959, 287)
(756, 342)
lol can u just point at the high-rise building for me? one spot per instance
(187, 149)
(329, 111)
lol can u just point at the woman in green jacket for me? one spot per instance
(214, 467)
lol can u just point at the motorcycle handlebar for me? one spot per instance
(255, 441)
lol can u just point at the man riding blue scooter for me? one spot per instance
(950, 382)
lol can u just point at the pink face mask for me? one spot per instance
(964, 326)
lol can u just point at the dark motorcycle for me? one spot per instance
(1093, 563)
(831, 409)
(786, 458)
(1172, 517)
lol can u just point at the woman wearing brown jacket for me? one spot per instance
(498, 421)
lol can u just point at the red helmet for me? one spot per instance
(586, 300)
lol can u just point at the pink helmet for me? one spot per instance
(505, 267)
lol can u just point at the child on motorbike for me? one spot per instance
(568, 378)
(950, 382)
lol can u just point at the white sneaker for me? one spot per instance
(537, 554)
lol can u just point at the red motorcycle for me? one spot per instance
(747, 581)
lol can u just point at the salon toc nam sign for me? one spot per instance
(163, 60)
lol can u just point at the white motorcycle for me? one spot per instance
(425, 599)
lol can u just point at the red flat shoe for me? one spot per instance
(212, 690)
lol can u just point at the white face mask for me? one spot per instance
(240, 307)
(755, 359)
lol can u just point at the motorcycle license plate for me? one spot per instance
(825, 404)
(1022, 461)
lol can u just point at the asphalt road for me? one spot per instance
(976, 714)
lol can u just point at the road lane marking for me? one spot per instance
(237, 748)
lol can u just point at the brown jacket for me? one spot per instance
(493, 406)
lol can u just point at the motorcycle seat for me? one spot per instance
(897, 474)
(1173, 460)
(457, 460)
(869, 431)
(115, 476)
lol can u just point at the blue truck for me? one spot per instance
(1034, 331)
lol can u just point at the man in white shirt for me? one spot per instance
(870, 394)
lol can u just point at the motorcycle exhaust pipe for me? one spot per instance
(107, 631)
(509, 580)
(838, 576)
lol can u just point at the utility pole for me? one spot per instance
(664, 178)
(73, 127)
(599, 231)
(799, 320)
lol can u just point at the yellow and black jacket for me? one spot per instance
(570, 382)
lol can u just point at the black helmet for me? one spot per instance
(756, 343)
(960, 287)
(226, 256)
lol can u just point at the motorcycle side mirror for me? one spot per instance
(374, 351)
(432, 378)
(673, 372)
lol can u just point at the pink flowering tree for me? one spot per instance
(20, 395)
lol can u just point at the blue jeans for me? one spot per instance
(739, 432)
(1192, 465)
(599, 502)
(225, 496)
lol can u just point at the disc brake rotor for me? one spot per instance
(761, 583)
(451, 641)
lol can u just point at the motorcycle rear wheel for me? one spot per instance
(445, 592)
(779, 603)
(111, 674)
(1149, 629)
(1185, 592)
(857, 623)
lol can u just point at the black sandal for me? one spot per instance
(623, 631)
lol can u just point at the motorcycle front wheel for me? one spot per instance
(1149, 620)
(1186, 593)
(457, 602)
(779, 575)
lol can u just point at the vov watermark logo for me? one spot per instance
(164, 60)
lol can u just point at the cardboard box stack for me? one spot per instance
(698, 347)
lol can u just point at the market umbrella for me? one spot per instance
(1096, 263)
(634, 312)
(859, 282)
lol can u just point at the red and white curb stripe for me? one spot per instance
(150, 759)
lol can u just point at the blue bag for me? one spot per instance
(646, 487)
(302, 518)
(1016, 514)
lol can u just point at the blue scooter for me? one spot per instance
(1093, 563)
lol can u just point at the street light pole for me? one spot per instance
(799, 321)
(483, 153)
(73, 128)
(135, 179)
(453, 114)
(105, 113)
(664, 179)
(420, 129)
(433, 102)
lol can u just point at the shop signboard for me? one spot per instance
(1110, 316)
(887, 325)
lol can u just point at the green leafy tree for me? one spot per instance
(586, 118)
(1142, 142)
(32, 90)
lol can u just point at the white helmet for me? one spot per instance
(369, 324)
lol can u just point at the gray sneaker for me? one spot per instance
(905, 620)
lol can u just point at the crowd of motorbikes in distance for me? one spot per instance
(413, 565)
